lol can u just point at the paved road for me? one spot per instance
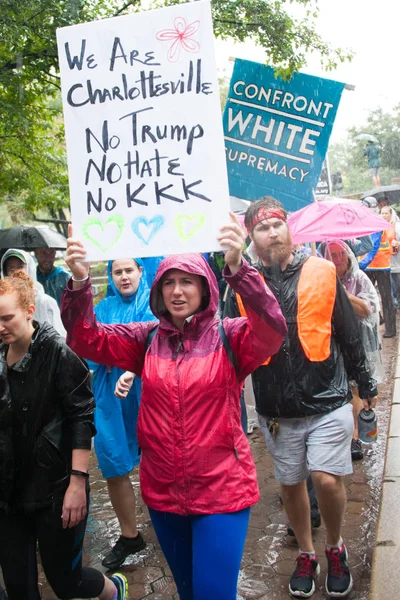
(269, 554)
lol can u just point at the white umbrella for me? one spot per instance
(367, 137)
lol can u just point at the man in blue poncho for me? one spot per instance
(52, 278)
(115, 419)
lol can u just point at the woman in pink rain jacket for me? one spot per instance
(197, 473)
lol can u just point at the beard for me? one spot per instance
(276, 254)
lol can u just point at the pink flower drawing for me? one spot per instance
(181, 38)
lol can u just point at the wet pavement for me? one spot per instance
(270, 554)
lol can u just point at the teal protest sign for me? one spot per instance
(277, 133)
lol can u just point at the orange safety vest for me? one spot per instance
(382, 257)
(391, 234)
(316, 294)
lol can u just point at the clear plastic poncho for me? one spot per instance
(357, 283)
(46, 308)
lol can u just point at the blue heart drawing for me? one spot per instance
(146, 229)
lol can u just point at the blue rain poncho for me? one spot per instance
(54, 282)
(115, 419)
(151, 265)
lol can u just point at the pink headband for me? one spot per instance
(264, 214)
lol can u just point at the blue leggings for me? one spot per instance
(204, 552)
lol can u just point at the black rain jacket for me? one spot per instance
(291, 385)
(46, 411)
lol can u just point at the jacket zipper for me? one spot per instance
(175, 358)
(179, 346)
(282, 305)
(25, 418)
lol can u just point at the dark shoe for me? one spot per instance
(122, 549)
(389, 335)
(356, 450)
(121, 584)
(338, 581)
(315, 523)
(302, 582)
(290, 530)
(315, 520)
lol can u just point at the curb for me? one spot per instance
(386, 557)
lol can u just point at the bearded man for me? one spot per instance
(302, 393)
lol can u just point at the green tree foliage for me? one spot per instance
(223, 90)
(269, 24)
(348, 156)
(385, 126)
(32, 156)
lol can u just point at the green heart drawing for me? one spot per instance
(106, 243)
(188, 225)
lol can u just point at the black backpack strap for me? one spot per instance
(150, 336)
(227, 346)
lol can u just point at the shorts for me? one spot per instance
(373, 171)
(316, 443)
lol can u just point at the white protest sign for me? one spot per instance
(146, 157)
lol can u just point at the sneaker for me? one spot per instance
(356, 450)
(122, 549)
(302, 582)
(121, 584)
(315, 520)
(338, 581)
(290, 530)
(315, 523)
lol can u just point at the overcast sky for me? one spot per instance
(371, 30)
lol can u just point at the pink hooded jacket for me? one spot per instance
(195, 456)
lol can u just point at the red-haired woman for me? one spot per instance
(46, 427)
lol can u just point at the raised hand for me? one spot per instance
(232, 238)
(75, 258)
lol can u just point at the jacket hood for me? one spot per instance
(30, 267)
(44, 332)
(25, 257)
(112, 290)
(353, 265)
(393, 216)
(191, 263)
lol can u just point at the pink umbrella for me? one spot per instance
(334, 219)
